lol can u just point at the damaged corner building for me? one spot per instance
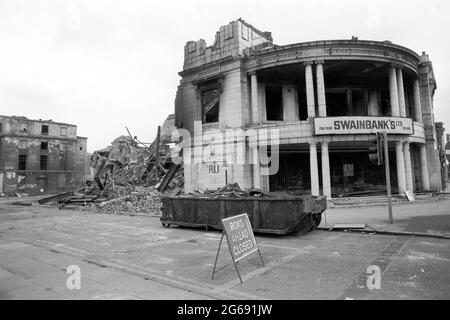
(40, 156)
(326, 99)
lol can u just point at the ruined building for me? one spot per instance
(326, 99)
(38, 156)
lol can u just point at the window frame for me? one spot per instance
(46, 131)
(22, 165)
(43, 165)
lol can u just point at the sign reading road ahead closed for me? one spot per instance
(240, 237)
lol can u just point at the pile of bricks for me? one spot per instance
(129, 179)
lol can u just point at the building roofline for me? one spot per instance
(319, 43)
(37, 120)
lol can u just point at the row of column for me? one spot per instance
(397, 94)
(398, 109)
(403, 161)
(314, 169)
(310, 100)
(320, 85)
(404, 167)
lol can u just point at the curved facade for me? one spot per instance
(303, 117)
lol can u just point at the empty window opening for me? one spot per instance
(44, 145)
(44, 129)
(63, 131)
(43, 162)
(359, 102)
(22, 161)
(211, 105)
(274, 104)
(302, 105)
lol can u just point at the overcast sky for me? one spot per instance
(104, 64)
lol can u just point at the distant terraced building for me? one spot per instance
(40, 156)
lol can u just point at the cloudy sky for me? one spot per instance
(105, 64)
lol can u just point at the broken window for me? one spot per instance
(44, 145)
(43, 162)
(44, 129)
(22, 161)
(274, 103)
(210, 105)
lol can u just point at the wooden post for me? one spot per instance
(157, 153)
(388, 177)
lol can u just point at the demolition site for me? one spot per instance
(295, 143)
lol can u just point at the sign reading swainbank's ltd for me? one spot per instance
(362, 125)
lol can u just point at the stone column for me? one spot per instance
(326, 184)
(401, 93)
(393, 92)
(424, 168)
(417, 105)
(408, 168)
(400, 160)
(254, 97)
(314, 170)
(256, 168)
(310, 90)
(321, 101)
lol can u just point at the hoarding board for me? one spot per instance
(362, 125)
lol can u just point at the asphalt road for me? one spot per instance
(122, 257)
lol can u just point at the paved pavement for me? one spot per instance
(123, 257)
(431, 217)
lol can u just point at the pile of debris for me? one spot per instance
(146, 202)
(232, 190)
(129, 179)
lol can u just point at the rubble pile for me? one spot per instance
(129, 178)
(232, 190)
(138, 203)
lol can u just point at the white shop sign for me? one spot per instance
(363, 125)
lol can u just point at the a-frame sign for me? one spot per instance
(240, 238)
